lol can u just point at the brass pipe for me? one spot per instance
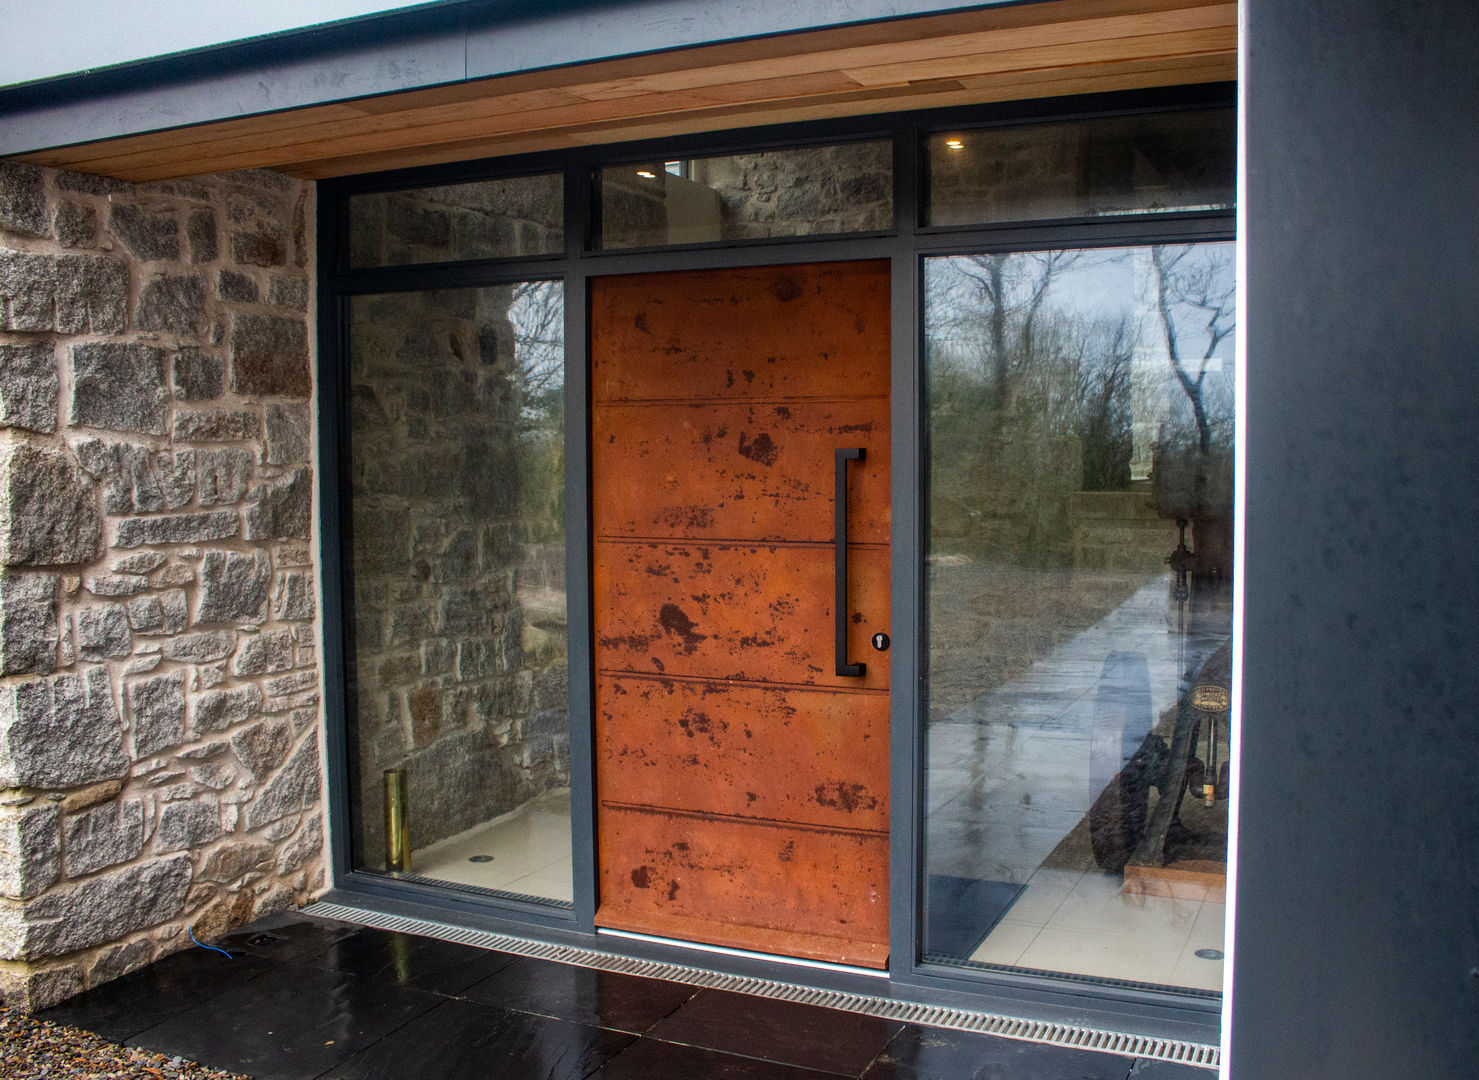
(397, 838)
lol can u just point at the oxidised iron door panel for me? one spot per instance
(742, 785)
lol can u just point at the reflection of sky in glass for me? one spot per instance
(1094, 285)
(1101, 287)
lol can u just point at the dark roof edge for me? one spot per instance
(405, 49)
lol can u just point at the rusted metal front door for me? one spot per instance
(742, 782)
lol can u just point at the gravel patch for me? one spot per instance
(35, 1048)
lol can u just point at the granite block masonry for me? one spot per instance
(160, 718)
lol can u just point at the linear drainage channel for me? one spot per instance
(1200, 1055)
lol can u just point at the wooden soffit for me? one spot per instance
(1029, 50)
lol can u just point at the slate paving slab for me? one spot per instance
(297, 998)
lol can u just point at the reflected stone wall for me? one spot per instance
(459, 670)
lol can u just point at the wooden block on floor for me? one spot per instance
(1194, 879)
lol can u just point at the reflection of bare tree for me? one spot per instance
(1011, 289)
(1199, 284)
(537, 314)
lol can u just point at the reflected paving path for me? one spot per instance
(1009, 773)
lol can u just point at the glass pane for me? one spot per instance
(1083, 168)
(796, 192)
(1079, 605)
(521, 215)
(458, 680)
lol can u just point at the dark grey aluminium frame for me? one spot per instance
(1059, 998)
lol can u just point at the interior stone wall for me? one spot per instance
(460, 671)
(160, 760)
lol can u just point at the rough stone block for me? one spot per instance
(129, 483)
(116, 584)
(120, 960)
(282, 510)
(174, 303)
(104, 836)
(200, 648)
(32, 989)
(176, 477)
(288, 292)
(234, 287)
(120, 386)
(90, 184)
(199, 376)
(214, 776)
(293, 683)
(216, 710)
(106, 907)
(176, 611)
(232, 861)
(216, 425)
(142, 563)
(28, 624)
(186, 825)
(145, 613)
(103, 632)
(303, 848)
(91, 294)
(259, 235)
(30, 851)
(294, 788)
(22, 199)
(158, 707)
(234, 587)
(60, 732)
(146, 233)
(178, 529)
(76, 225)
(90, 796)
(288, 428)
(27, 292)
(28, 387)
(200, 231)
(295, 599)
(263, 653)
(48, 511)
(269, 355)
(223, 475)
(262, 747)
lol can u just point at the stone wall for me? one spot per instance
(159, 682)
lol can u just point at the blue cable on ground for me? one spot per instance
(191, 931)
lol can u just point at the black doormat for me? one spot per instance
(962, 911)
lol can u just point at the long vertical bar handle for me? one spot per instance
(839, 608)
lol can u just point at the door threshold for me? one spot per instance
(897, 1007)
(744, 954)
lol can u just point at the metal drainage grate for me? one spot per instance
(1200, 1055)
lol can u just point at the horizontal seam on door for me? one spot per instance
(821, 688)
(610, 403)
(710, 815)
(878, 545)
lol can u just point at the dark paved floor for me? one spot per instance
(302, 998)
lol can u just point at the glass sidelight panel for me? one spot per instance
(801, 191)
(459, 728)
(1079, 611)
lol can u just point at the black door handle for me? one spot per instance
(839, 608)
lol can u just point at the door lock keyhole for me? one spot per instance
(880, 641)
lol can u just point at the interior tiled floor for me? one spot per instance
(526, 851)
(1010, 777)
(303, 998)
